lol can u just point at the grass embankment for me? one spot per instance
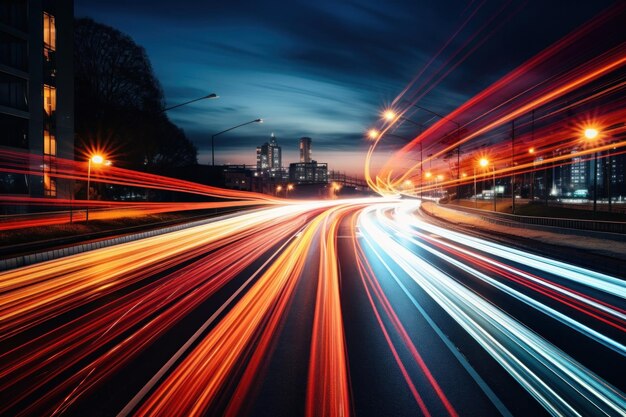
(97, 228)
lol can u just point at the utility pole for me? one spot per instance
(532, 172)
(513, 166)
(421, 171)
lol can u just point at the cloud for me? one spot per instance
(322, 68)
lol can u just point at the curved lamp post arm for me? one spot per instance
(224, 131)
(212, 95)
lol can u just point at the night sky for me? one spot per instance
(320, 68)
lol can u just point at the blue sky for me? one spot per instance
(321, 68)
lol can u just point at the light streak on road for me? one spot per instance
(369, 280)
(171, 297)
(115, 303)
(558, 382)
(194, 385)
(328, 388)
(39, 292)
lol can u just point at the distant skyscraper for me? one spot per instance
(305, 149)
(262, 158)
(269, 159)
(276, 154)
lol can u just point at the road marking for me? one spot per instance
(134, 402)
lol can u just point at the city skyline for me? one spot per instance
(328, 83)
(435, 223)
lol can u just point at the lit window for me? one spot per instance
(49, 99)
(49, 186)
(49, 143)
(49, 31)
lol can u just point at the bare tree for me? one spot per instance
(119, 101)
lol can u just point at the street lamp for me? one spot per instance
(289, 188)
(439, 190)
(458, 138)
(591, 133)
(428, 174)
(484, 162)
(389, 115)
(531, 151)
(279, 188)
(209, 96)
(224, 131)
(373, 134)
(98, 160)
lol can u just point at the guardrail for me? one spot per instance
(51, 254)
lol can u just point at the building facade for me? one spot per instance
(37, 92)
(305, 149)
(308, 172)
(269, 159)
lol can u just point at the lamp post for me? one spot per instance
(458, 138)
(428, 175)
(440, 188)
(224, 131)
(513, 166)
(279, 188)
(390, 116)
(531, 151)
(289, 188)
(590, 134)
(484, 162)
(98, 160)
(475, 194)
(209, 96)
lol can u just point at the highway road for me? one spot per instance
(335, 308)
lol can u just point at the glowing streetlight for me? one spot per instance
(591, 133)
(531, 150)
(98, 160)
(373, 134)
(484, 162)
(289, 188)
(279, 188)
(428, 174)
(389, 115)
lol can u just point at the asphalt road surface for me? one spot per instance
(338, 308)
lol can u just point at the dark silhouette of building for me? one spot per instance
(308, 172)
(37, 91)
